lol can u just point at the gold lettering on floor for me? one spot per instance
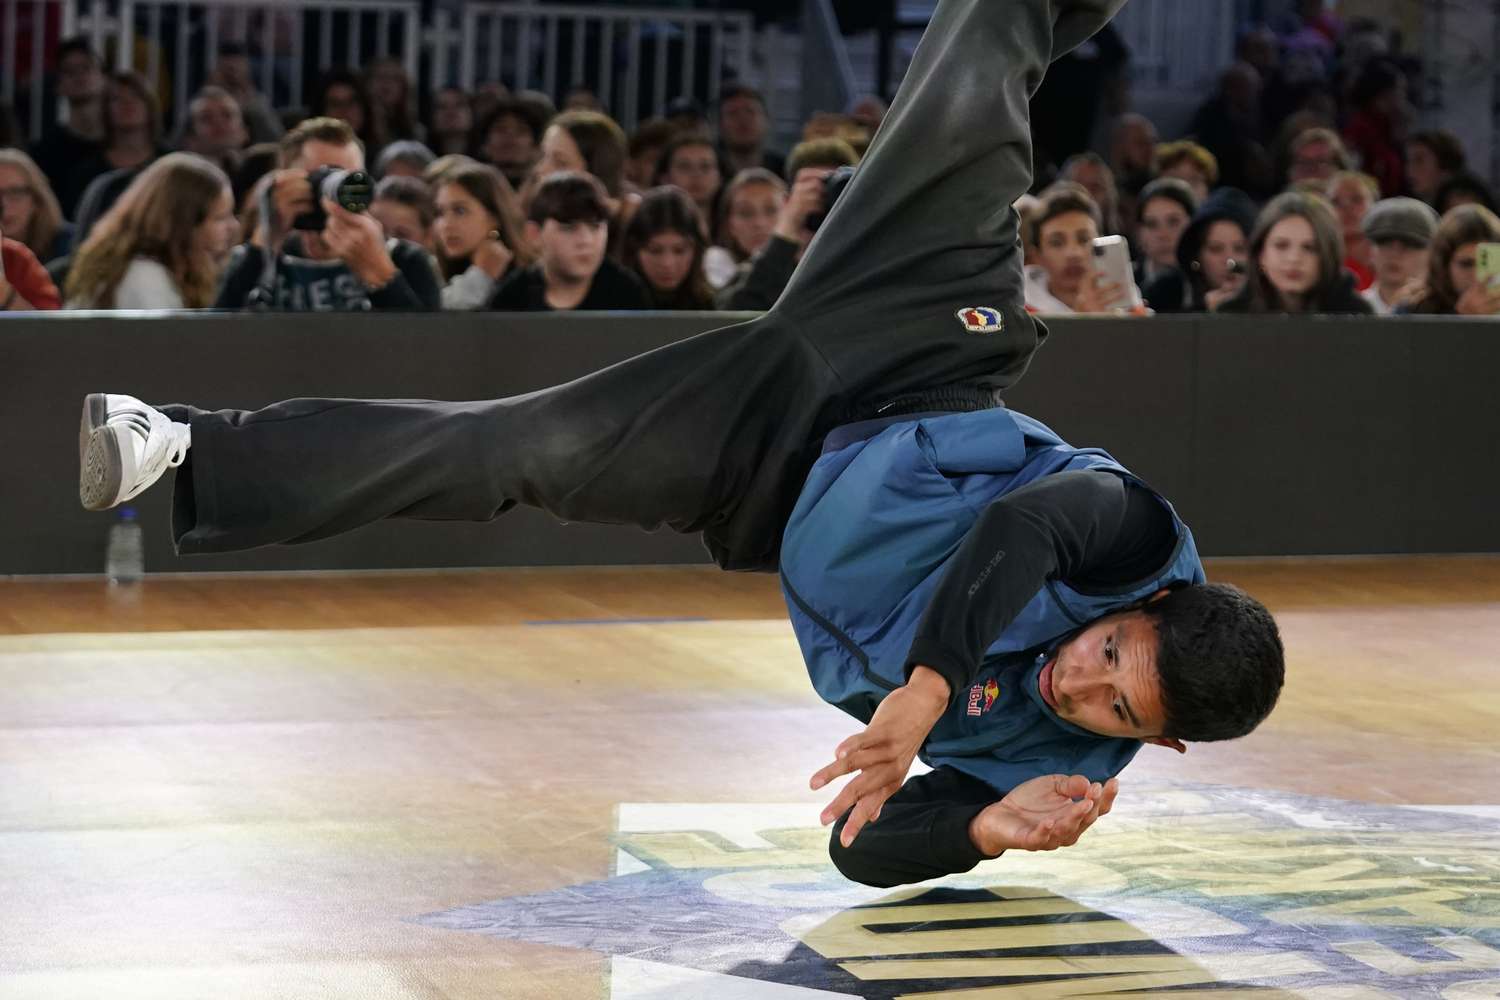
(1472, 957)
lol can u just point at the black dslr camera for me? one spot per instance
(350, 189)
(833, 186)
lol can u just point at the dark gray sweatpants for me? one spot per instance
(716, 433)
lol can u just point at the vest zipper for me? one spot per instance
(843, 640)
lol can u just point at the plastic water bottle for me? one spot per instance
(125, 555)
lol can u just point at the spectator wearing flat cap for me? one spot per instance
(1400, 232)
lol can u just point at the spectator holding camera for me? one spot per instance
(762, 279)
(480, 234)
(1212, 256)
(1453, 287)
(162, 245)
(1297, 262)
(1065, 280)
(568, 221)
(1399, 232)
(664, 246)
(311, 254)
(747, 217)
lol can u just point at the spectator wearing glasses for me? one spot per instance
(1432, 157)
(163, 243)
(1297, 262)
(744, 128)
(480, 234)
(1212, 256)
(664, 246)
(1453, 287)
(568, 221)
(29, 212)
(82, 85)
(1167, 205)
(1399, 231)
(1352, 194)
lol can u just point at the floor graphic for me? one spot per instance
(1185, 892)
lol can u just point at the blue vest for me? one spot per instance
(876, 524)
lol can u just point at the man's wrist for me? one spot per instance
(377, 273)
(929, 681)
(981, 836)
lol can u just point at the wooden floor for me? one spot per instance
(265, 786)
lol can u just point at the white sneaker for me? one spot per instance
(123, 447)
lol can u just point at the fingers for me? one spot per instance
(1072, 786)
(866, 810)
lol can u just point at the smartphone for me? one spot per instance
(1112, 264)
(1487, 265)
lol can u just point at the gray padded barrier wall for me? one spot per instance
(1272, 437)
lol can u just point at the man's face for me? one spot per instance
(510, 144)
(1105, 679)
(742, 123)
(1397, 262)
(573, 251)
(1314, 161)
(217, 126)
(78, 77)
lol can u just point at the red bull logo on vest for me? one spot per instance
(982, 697)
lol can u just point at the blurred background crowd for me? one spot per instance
(1300, 185)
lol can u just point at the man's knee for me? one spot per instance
(856, 864)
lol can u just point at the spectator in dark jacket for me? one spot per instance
(347, 264)
(1297, 262)
(568, 221)
(132, 136)
(1167, 205)
(1212, 256)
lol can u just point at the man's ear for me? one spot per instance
(1170, 744)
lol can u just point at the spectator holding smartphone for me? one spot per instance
(1453, 284)
(1297, 262)
(1064, 280)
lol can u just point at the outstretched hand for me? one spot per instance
(884, 751)
(1043, 814)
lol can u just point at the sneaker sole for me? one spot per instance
(100, 468)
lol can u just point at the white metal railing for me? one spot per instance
(632, 57)
(556, 47)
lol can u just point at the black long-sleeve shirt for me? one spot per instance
(1090, 528)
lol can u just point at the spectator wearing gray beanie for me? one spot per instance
(1400, 231)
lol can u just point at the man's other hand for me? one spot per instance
(357, 239)
(1043, 814)
(884, 751)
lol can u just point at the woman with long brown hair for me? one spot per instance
(479, 233)
(1297, 262)
(29, 212)
(163, 243)
(1453, 285)
(664, 246)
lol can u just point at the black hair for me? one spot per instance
(78, 43)
(1220, 660)
(528, 113)
(1464, 183)
(569, 196)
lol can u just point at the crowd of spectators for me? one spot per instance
(1299, 187)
